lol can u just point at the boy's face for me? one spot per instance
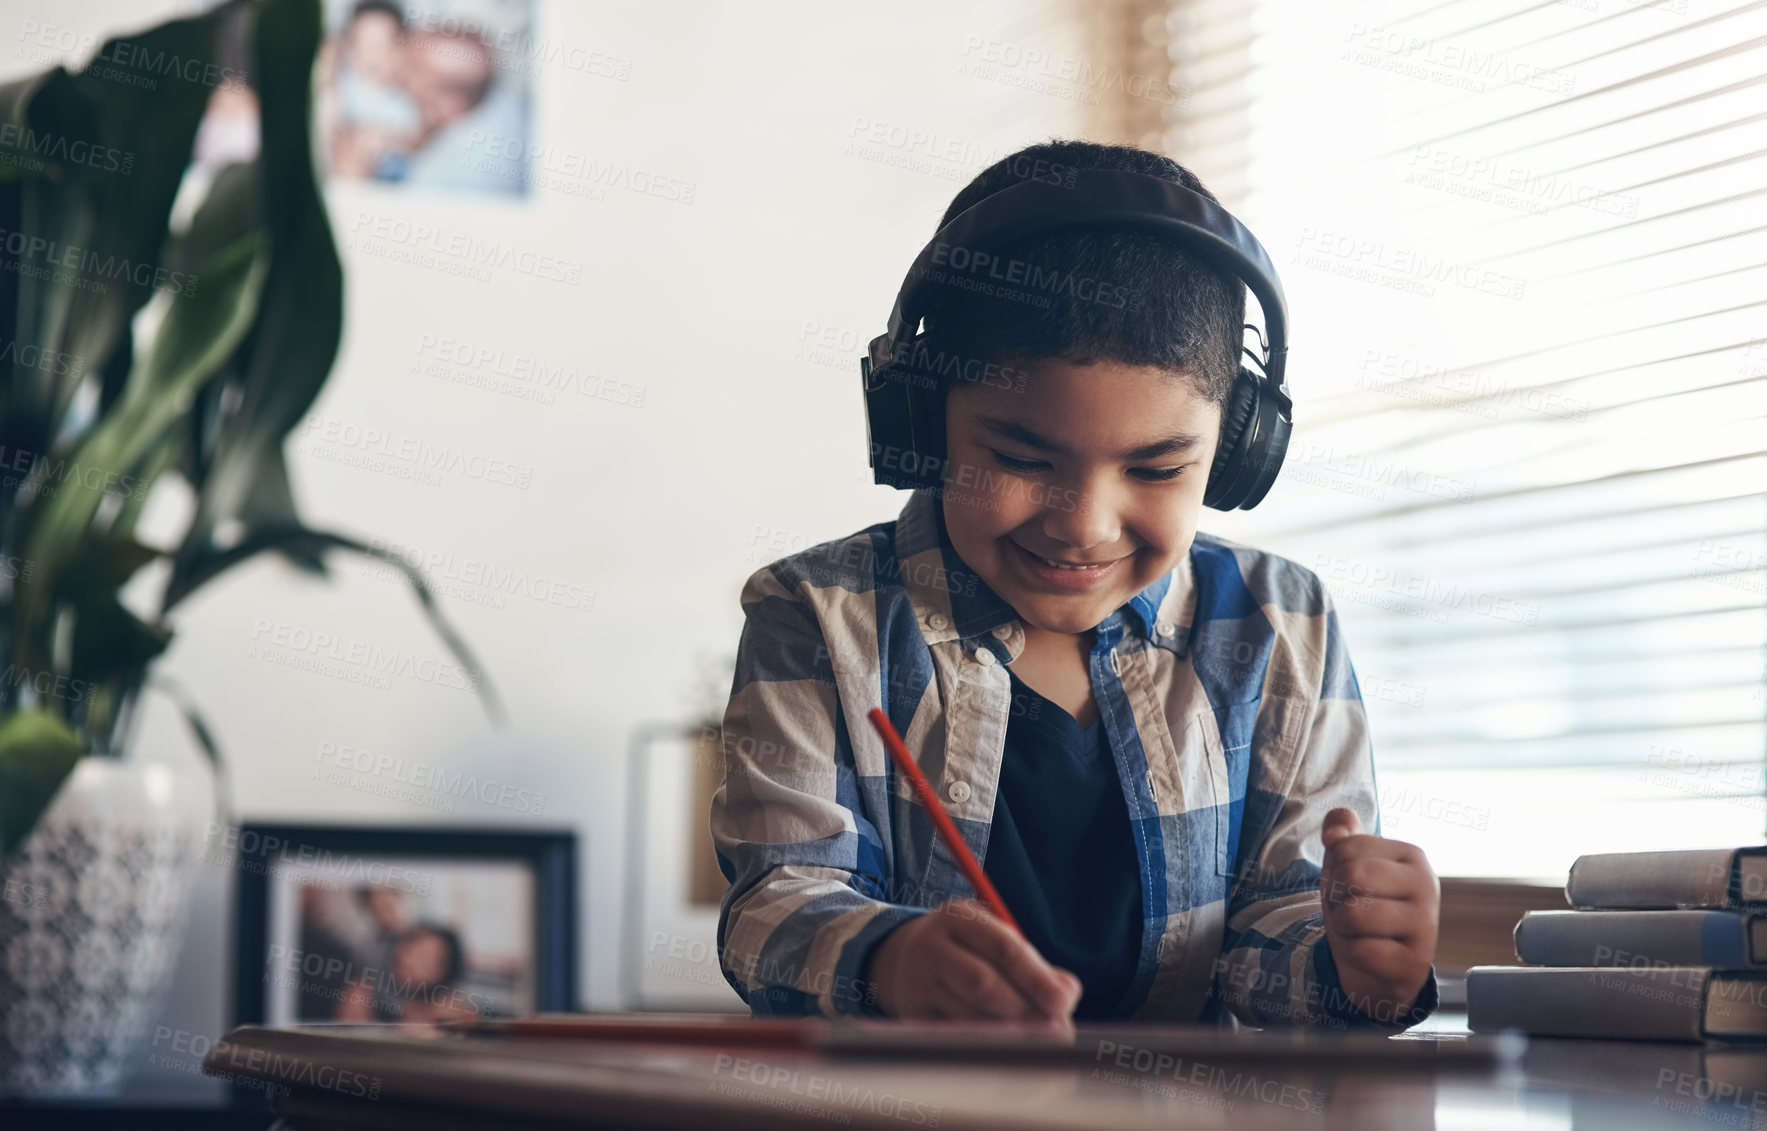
(1102, 464)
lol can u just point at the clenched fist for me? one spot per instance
(1382, 903)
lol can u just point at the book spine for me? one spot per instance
(1633, 938)
(1652, 1005)
(1642, 880)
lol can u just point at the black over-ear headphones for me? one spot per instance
(905, 434)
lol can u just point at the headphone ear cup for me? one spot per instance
(1230, 455)
(905, 434)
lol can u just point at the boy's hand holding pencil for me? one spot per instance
(968, 960)
(1382, 902)
(962, 962)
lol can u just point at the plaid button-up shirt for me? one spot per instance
(1231, 710)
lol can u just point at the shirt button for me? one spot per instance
(984, 657)
(937, 621)
(1114, 666)
(1165, 628)
(958, 791)
(1153, 790)
(1002, 631)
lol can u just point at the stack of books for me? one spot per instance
(1665, 946)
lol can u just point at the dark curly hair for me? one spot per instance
(1141, 299)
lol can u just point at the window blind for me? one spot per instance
(1525, 251)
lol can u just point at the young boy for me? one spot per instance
(1151, 738)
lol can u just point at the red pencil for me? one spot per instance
(972, 871)
(667, 1028)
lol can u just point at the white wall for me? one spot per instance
(655, 508)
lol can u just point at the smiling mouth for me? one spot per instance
(1075, 566)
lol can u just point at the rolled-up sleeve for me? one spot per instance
(807, 868)
(1311, 754)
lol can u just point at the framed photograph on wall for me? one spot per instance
(669, 938)
(432, 94)
(355, 923)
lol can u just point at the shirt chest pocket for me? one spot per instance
(1221, 739)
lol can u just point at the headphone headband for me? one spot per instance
(1098, 197)
(906, 444)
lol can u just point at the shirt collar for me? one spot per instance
(952, 601)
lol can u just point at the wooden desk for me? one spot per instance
(360, 1081)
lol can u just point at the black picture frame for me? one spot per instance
(551, 854)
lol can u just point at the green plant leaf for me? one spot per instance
(196, 336)
(235, 462)
(29, 394)
(106, 229)
(294, 341)
(37, 753)
(308, 541)
(57, 206)
(160, 459)
(110, 641)
(108, 569)
(109, 225)
(228, 211)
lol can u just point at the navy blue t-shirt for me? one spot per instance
(1061, 852)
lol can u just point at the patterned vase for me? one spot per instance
(91, 917)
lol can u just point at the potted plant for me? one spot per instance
(136, 345)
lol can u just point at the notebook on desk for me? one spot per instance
(968, 1076)
(945, 1042)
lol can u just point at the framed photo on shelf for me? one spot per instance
(669, 938)
(359, 923)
